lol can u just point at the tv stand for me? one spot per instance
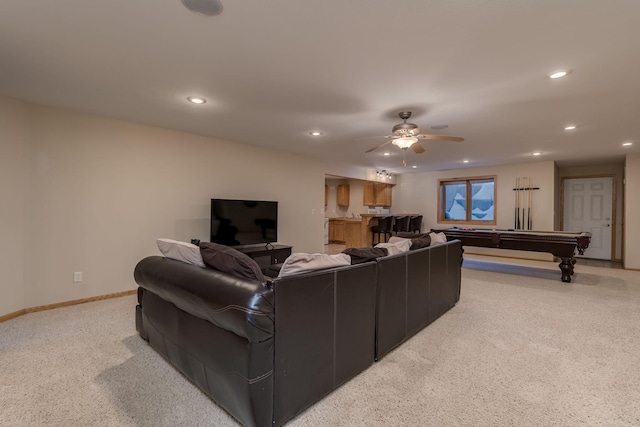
(266, 255)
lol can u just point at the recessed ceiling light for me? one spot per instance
(196, 100)
(559, 74)
(465, 161)
(414, 166)
(571, 127)
(387, 154)
(627, 144)
(536, 153)
(315, 133)
(438, 127)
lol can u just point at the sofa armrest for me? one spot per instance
(242, 306)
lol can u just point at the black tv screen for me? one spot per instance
(243, 222)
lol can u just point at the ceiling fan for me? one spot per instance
(405, 135)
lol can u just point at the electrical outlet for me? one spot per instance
(77, 276)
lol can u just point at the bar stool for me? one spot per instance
(401, 224)
(385, 226)
(415, 222)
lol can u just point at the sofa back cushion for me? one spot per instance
(325, 334)
(414, 289)
(230, 261)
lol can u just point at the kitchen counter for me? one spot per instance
(355, 232)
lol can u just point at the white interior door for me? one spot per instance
(588, 206)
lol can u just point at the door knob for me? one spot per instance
(607, 225)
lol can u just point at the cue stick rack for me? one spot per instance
(523, 219)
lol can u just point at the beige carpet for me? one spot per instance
(521, 348)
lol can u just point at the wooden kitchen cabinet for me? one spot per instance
(383, 194)
(343, 195)
(368, 198)
(336, 230)
(376, 194)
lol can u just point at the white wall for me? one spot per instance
(631, 257)
(419, 193)
(356, 190)
(91, 194)
(99, 192)
(332, 210)
(12, 136)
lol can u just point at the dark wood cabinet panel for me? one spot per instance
(266, 256)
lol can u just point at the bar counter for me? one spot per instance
(357, 231)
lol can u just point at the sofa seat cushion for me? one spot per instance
(230, 261)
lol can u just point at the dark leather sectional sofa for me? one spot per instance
(265, 352)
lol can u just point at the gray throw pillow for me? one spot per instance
(231, 261)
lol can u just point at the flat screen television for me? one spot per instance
(243, 222)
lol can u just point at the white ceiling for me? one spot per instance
(272, 71)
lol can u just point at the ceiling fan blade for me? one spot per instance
(441, 137)
(378, 146)
(417, 148)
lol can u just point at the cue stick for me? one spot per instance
(517, 225)
(519, 202)
(530, 205)
(522, 184)
(515, 207)
(527, 202)
(525, 185)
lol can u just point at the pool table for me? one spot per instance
(562, 244)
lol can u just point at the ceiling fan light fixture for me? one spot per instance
(405, 142)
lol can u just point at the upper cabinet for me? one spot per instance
(343, 195)
(383, 193)
(376, 194)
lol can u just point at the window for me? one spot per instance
(469, 200)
